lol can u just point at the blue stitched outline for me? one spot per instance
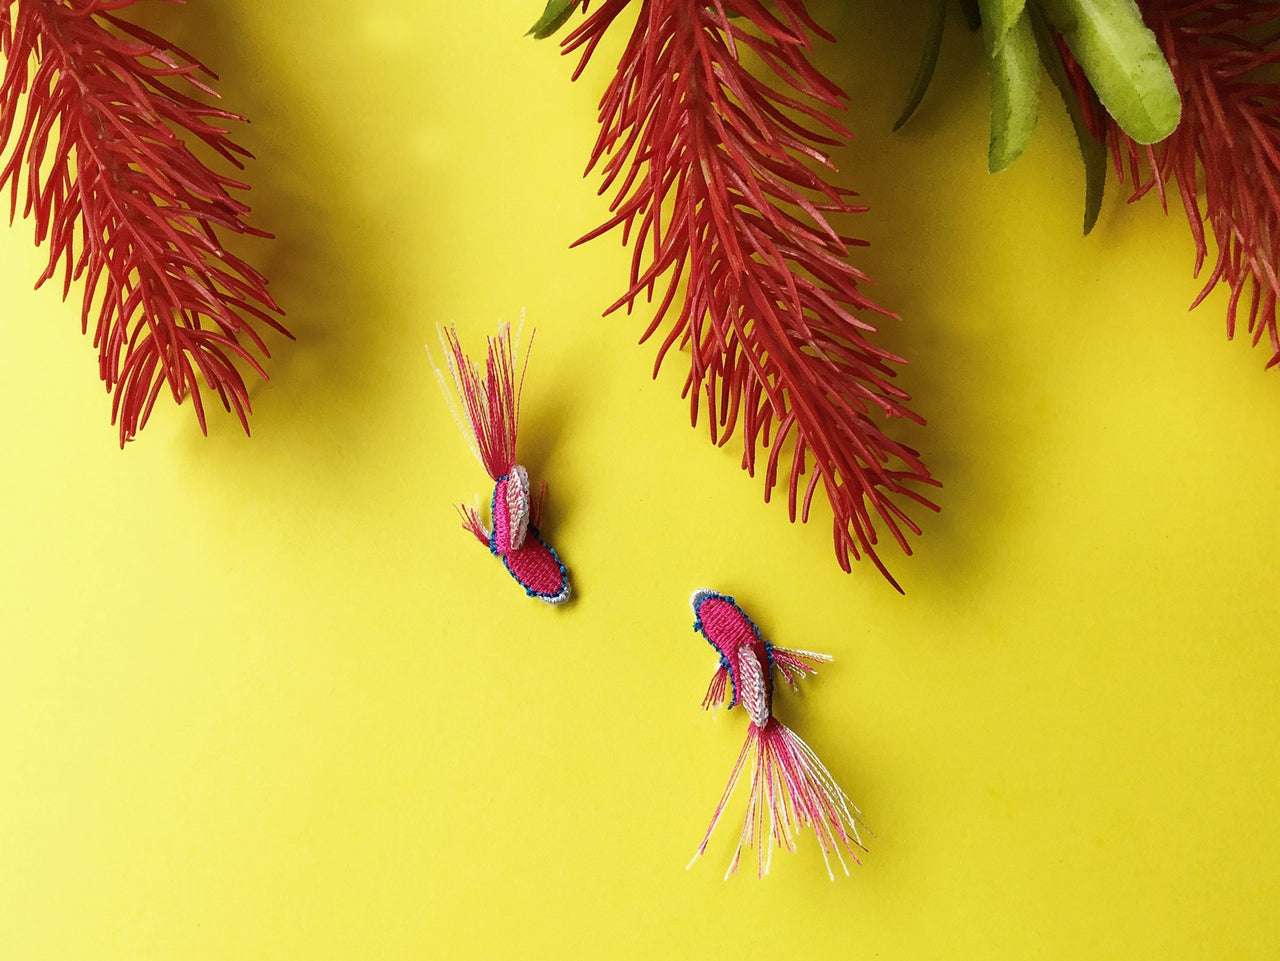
(564, 574)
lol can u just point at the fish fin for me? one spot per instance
(517, 506)
(752, 685)
(717, 690)
(796, 665)
(471, 522)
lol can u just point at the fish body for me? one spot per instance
(516, 541)
(745, 656)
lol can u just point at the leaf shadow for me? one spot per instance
(310, 191)
(913, 255)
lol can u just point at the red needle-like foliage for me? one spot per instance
(1224, 55)
(720, 192)
(91, 119)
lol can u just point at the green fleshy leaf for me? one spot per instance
(555, 15)
(998, 18)
(1014, 66)
(928, 60)
(1093, 152)
(1123, 62)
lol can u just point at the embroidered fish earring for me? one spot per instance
(487, 409)
(790, 787)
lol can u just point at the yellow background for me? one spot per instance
(260, 698)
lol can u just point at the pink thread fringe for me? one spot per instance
(790, 789)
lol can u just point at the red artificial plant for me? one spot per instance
(92, 117)
(1224, 55)
(721, 187)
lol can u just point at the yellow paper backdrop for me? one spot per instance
(260, 698)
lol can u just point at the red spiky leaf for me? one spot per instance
(1224, 55)
(93, 120)
(720, 190)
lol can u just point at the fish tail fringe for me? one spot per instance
(486, 405)
(790, 789)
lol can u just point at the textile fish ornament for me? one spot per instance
(487, 409)
(790, 787)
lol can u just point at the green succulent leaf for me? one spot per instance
(1092, 150)
(998, 18)
(555, 15)
(928, 60)
(1014, 66)
(1123, 62)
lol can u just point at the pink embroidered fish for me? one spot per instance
(790, 787)
(490, 418)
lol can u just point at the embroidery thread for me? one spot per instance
(790, 787)
(487, 409)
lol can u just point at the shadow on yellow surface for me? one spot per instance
(261, 698)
